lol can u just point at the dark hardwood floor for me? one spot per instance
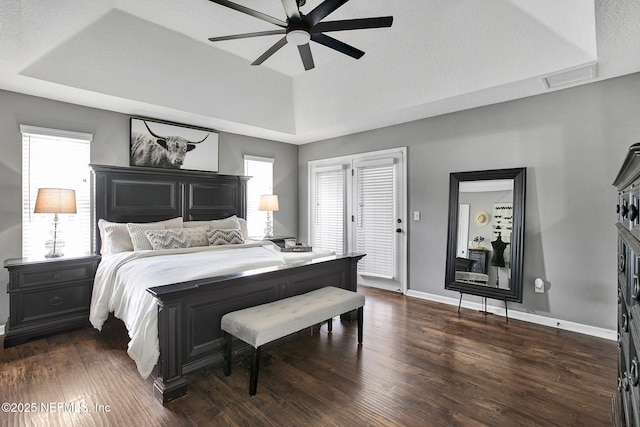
(421, 364)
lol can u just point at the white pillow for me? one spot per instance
(115, 236)
(244, 228)
(116, 239)
(224, 237)
(139, 239)
(230, 223)
(193, 224)
(171, 238)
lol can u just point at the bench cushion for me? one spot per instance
(267, 322)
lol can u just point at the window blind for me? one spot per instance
(55, 159)
(329, 215)
(375, 226)
(260, 169)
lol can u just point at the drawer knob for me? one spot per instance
(635, 293)
(57, 300)
(633, 213)
(625, 210)
(625, 323)
(634, 372)
(625, 382)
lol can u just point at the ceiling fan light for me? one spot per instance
(298, 37)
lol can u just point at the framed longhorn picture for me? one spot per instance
(161, 144)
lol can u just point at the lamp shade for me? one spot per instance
(55, 200)
(268, 202)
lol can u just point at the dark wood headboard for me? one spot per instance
(138, 194)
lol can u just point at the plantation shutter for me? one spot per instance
(375, 218)
(329, 210)
(55, 159)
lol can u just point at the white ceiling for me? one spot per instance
(152, 58)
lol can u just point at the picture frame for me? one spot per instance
(168, 145)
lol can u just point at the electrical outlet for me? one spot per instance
(416, 215)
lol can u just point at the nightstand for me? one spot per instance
(48, 295)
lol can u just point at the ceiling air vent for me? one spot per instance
(572, 77)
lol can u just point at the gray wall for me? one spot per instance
(572, 141)
(110, 146)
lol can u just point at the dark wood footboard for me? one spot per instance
(189, 313)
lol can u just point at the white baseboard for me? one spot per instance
(521, 315)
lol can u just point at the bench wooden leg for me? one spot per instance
(227, 353)
(253, 377)
(360, 319)
(330, 325)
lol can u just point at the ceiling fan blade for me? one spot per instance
(307, 58)
(291, 9)
(251, 12)
(353, 24)
(247, 35)
(273, 49)
(337, 45)
(322, 11)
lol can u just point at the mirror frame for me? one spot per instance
(514, 293)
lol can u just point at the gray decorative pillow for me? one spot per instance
(195, 236)
(224, 237)
(139, 239)
(171, 238)
(138, 236)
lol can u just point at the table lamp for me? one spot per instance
(268, 203)
(55, 201)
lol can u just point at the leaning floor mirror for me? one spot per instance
(486, 233)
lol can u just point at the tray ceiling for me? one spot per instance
(153, 58)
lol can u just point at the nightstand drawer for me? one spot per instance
(56, 302)
(47, 276)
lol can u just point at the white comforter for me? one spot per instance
(122, 280)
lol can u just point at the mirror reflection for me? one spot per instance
(486, 233)
(485, 225)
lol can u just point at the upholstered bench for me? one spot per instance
(264, 323)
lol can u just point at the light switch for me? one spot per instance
(416, 215)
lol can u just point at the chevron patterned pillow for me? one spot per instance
(166, 239)
(224, 237)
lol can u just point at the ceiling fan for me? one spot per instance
(299, 29)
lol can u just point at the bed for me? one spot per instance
(188, 300)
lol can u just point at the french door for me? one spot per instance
(358, 204)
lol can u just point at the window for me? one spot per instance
(260, 169)
(328, 213)
(55, 159)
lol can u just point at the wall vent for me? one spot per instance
(571, 77)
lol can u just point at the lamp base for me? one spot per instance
(54, 255)
(268, 229)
